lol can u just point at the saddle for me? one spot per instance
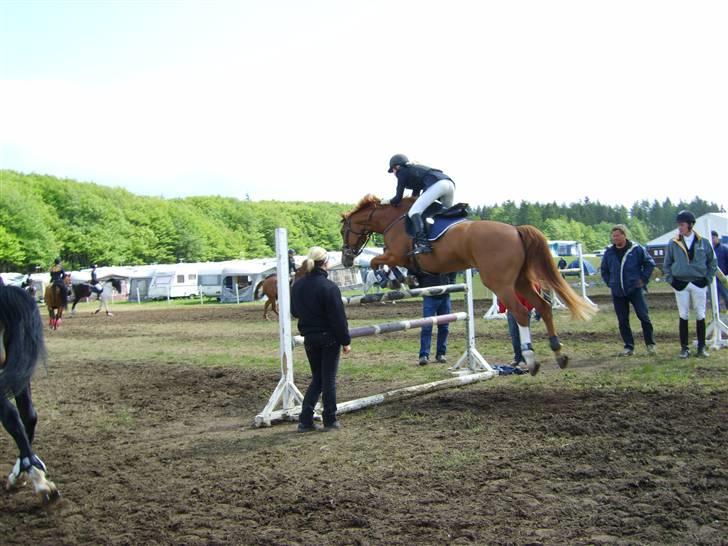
(438, 219)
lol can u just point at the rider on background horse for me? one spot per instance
(58, 276)
(291, 263)
(94, 284)
(419, 178)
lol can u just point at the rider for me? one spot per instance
(57, 277)
(433, 182)
(95, 286)
(291, 262)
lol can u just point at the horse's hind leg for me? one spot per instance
(525, 288)
(520, 313)
(13, 424)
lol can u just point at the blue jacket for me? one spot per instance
(416, 178)
(721, 255)
(623, 276)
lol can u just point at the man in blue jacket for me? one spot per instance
(721, 256)
(626, 269)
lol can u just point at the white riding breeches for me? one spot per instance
(691, 296)
(444, 190)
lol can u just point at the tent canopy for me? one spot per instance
(717, 221)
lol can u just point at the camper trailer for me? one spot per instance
(174, 281)
(240, 278)
(209, 278)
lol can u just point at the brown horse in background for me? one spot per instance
(56, 300)
(269, 287)
(509, 258)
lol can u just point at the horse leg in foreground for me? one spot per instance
(23, 346)
(21, 427)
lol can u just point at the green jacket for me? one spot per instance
(679, 267)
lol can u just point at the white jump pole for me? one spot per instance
(715, 330)
(556, 303)
(286, 393)
(472, 360)
(493, 312)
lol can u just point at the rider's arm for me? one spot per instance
(400, 188)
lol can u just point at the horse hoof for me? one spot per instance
(529, 358)
(562, 361)
(51, 497)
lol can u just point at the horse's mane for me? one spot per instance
(365, 202)
(371, 200)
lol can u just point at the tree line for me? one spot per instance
(43, 217)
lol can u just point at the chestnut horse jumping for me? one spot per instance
(509, 258)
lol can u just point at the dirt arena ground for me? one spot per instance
(166, 454)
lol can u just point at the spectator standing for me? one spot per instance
(432, 306)
(626, 268)
(721, 256)
(690, 267)
(316, 303)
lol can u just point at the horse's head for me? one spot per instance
(67, 279)
(369, 216)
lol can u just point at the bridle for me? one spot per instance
(363, 236)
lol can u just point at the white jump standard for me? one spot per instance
(471, 366)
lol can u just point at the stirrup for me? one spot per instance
(421, 247)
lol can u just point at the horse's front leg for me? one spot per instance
(21, 424)
(388, 259)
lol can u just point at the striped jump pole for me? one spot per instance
(403, 294)
(398, 326)
(471, 366)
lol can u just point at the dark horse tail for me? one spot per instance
(24, 345)
(540, 267)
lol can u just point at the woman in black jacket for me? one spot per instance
(316, 303)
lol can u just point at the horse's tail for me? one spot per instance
(24, 339)
(541, 268)
(256, 294)
(59, 295)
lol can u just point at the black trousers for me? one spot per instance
(323, 352)
(621, 308)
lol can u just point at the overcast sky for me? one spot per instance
(307, 100)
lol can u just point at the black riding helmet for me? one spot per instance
(57, 261)
(685, 216)
(397, 159)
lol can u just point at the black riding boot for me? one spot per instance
(420, 244)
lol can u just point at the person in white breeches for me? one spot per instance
(690, 267)
(432, 183)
